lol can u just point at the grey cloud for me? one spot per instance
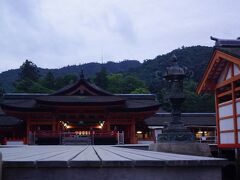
(60, 32)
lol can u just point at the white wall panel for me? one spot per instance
(226, 110)
(226, 124)
(238, 122)
(238, 137)
(222, 76)
(236, 70)
(229, 74)
(238, 107)
(227, 138)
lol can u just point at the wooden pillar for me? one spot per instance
(107, 125)
(28, 122)
(54, 126)
(133, 132)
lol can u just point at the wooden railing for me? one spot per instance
(75, 136)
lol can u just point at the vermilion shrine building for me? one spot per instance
(222, 76)
(81, 109)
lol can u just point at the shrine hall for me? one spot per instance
(78, 113)
(222, 76)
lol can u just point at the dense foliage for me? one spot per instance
(195, 59)
(142, 79)
(7, 78)
(30, 81)
(2, 91)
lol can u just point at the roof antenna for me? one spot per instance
(102, 56)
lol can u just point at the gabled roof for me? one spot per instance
(224, 51)
(81, 93)
(82, 87)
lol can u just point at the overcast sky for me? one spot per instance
(56, 33)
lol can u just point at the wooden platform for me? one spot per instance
(104, 162)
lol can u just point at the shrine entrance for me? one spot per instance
(81, 113)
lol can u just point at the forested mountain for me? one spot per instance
(90, 69)
(195, 58)
(123, 77)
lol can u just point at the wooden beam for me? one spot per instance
(206, 73)
(215, 59)
(234, 114)
(217, 118)
(228, 57)
(235, 78)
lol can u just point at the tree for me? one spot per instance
(60, 82)
(140, 90)
(120, 83)
(194, 102)
(115, 83)
(130, 83)
(49, 81)
(27, 77)
(2, 91)
(101, 79)
(29, 70)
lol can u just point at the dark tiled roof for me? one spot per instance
(80, 99)
(23, 95)
(233, 51)
(84, 82)
(189, 119)
(141, 104)
(138, 96)
(228, 46)
(6, 121)
(226, 42)
(32, 104)
(23, 103)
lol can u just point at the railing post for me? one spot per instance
(93, 138)
(118, 138)
(60, 138)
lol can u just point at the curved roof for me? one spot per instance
(90, 88)
(6, 121)
(189, 119)
(80, 100)
(9, 121)
(132, 105)
(81, 93)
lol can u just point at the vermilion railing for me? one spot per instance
(69, 134)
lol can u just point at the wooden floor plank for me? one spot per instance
(67, 155)
(162, 155)
(87, 156)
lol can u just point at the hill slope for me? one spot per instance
(195, 58)
(90, 69)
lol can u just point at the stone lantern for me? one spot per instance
(175, 131)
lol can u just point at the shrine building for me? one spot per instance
(78, 110)
(222, 76)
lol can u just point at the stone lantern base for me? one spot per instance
(179, 140)
(187, 148)
(176, 136)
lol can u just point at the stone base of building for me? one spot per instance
(176, 135)
(188, 148)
